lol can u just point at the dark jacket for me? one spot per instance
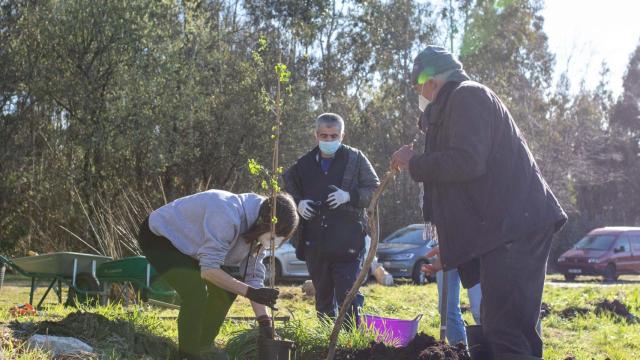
(357, 176)
(483, 187)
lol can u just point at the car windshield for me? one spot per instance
(596, 242)
(406, 236)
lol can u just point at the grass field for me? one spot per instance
(588, 336)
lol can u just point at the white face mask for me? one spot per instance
(265, 240)
(423, 102)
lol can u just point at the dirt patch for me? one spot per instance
(101, 333)
(422, 347)
(617, 308)
(573, 311)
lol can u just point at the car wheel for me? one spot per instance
(610, 273)
(418, 277)
(267, 265)
(569, 277)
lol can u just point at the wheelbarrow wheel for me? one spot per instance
(85, 282)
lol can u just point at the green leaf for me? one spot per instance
(262, 43)
(255, 168)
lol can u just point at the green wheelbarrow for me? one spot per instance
(76, 269)
(137, 271)
(90, 275)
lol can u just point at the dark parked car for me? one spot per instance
(403, 253)
(608, 251)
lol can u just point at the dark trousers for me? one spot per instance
(203, 306)
(332, 281)
(512, 280)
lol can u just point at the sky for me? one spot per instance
(583, 33)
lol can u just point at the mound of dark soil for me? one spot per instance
(617, 308)
(614, 307)
(573, 311)
(422, 347)
(102, 333)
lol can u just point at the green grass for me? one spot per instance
(584, 337)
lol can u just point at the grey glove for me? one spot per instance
(338, 198)
(306, 210)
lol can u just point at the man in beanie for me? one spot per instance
(495, 214)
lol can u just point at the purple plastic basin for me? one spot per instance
(394, 331)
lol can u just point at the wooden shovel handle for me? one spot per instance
(373, 226)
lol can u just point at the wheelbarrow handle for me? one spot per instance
(6, 261)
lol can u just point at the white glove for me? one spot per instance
(305, 210)
(338, 198)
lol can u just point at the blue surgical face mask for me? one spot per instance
(329, 147)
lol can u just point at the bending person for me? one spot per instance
(192, 240)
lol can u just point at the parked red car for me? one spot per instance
(608, 251)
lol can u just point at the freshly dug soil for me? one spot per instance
(102, 333)
(422, 347)
(614, 307)
(573, 311)
(617, 308)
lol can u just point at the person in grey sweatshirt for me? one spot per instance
(191, 241)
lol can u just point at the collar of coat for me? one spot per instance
(433, 114)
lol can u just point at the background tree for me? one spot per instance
(111, 108)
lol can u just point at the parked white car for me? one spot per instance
(288, 266)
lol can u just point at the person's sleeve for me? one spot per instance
(256, 270)
(427, 211)
(221, 227)
(472, 115)
(469, 273)
(292, 183)
(368, 182)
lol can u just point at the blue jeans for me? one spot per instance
(455, 325)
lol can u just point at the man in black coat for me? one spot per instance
(495, 214)
(332, 185)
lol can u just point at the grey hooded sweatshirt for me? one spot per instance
(208, 226)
